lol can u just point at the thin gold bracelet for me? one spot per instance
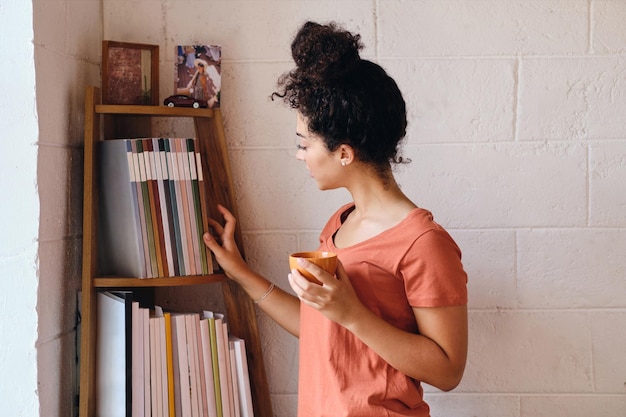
(269, 290)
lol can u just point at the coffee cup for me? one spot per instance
(325, 260)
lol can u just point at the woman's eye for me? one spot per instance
(300, 147)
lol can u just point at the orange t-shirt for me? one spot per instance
(413, 264)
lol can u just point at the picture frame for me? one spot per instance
(198, 73)
(130, 73)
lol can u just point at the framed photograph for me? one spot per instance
(130, 73)
(198, 74)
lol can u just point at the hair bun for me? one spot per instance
(325, 52)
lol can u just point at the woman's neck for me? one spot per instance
(379, 198)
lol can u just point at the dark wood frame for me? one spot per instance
(108, 80)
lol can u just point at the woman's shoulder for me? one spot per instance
(420, 223)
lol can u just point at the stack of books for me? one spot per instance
(151, 363)
(153, 209)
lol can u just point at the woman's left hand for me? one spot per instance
(335, 298)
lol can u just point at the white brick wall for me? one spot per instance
(517, 134)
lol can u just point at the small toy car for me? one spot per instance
(180, 100)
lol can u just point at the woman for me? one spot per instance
(395, 313)
(201, 86)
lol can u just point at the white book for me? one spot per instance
(202, 400)
(154, 388)
(229, 375)
(243, 377)
(233, 379)
(180, 332)
(137, 361)
(162, 362)
(147, 403)
(110, 356)
(120, 244)
(224, 371)
(192, 353)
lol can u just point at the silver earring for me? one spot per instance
(343, 163)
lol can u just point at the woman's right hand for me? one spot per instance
(226, 253)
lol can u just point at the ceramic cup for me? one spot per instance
(325, 260)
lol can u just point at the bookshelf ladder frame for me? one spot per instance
(110, 121)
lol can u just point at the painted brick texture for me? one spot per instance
(518, 144)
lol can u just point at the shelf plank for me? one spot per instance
(157, 111)
(115, 282)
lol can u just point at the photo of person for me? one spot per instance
(198, 73)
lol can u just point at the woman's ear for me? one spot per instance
(346, 154)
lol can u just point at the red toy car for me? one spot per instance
(180, 100)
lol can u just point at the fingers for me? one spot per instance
(319, 273)
(228, 216)
(223, 233)
(300, 284)
(230, 221)
(216, 226)
(211, 243)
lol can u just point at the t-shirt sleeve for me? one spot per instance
(433, 272)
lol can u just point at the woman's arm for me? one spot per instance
(436, 355)
(281, 306)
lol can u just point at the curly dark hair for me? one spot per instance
(346, 99)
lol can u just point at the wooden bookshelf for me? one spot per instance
(104, 122)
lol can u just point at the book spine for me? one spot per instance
(192, 355)
(141, 209)
(153, 368)
(204, 213)
(170, 365)
(147, 208)
(159, 160)
(155, 207)
(171, 223)
(180, 156)
(215, 362)
(145, 317)
(176, 360)
(201, 375)
(193, 227)
(137, 372)
(207, 357)
(172, 167)
(183, 377)
(195, 189)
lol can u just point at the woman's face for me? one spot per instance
(324, 166)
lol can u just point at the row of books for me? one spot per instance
(152, 208)
(151, 363)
